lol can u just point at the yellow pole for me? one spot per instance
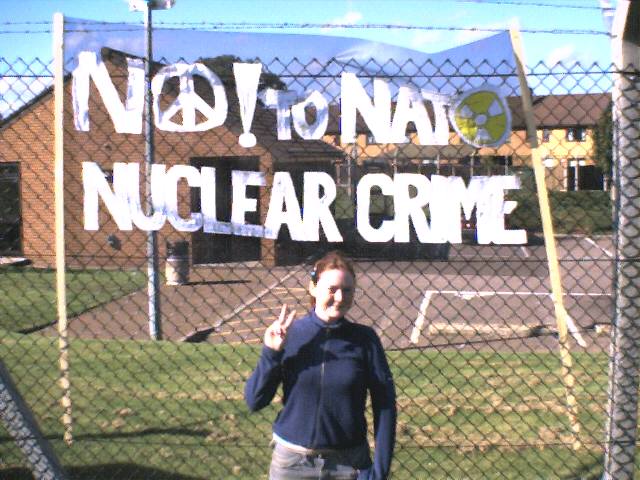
(63, 340)
(549, 240)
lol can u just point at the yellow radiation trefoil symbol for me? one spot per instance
(481, 117)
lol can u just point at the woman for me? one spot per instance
(326, 365)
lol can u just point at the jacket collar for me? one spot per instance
(322, 324)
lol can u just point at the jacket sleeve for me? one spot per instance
(263, 382)
(383, 401)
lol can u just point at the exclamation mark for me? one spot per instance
(247, 77)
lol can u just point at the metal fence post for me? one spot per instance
(620, 444)
(153, 282)
(21, 424)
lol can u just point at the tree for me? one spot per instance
(603, 142)
(222, 66)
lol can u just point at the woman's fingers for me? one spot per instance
(276, 333)
(282, 318)
(289, 320)
(273, 336)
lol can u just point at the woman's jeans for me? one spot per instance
(287, 464)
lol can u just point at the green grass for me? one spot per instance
(28, 298)
(175, 411)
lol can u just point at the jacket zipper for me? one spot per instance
(327, 331)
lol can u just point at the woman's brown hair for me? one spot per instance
(334, 260)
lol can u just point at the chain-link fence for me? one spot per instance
(472, 329)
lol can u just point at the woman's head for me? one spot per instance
(332, 286)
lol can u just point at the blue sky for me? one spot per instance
(492, 14)
(25, 28)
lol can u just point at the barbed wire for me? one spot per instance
(531, 4)
(27, 22)
(234, 26)
(25, 32)
(378, 26)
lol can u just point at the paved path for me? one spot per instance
(481, 296)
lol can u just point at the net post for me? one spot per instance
(549, 240)
(61, 296)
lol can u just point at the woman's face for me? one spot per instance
(333, 293)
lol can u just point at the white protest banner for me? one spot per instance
(443, 196)
(432, 205)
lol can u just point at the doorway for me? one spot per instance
(10, 212)
(219, 248)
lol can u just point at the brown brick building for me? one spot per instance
(565, 125)
(27, 157)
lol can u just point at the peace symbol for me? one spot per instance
(188, 101)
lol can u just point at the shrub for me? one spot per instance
(587, 212)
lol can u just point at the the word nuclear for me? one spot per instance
(412, 195)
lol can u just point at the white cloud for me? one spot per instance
(565, 53)
(480, 31)
(350, 18)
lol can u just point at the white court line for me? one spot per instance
(245, 341)
(466, 294)
(604, 250)
(463, 328)
(419, 324)
(254, 299)
(277, 301)
(234, 332)
(422, 315)
(242, 321)
(275, 309)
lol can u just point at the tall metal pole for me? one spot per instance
(153, 280)
(22, 426)
(624, 357)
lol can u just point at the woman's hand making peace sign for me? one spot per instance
(276, 333)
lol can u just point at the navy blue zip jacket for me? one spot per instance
(325, 370)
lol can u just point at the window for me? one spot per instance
(501, 164)
(546, 135)
(590, 177)
(370, 139)
(583, 177)
(429, 167)
(505, 160)
(10, 209)
(576, 134)
(108, 174)
(343, 174)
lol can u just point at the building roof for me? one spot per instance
(562, 111)
(263, 125)
(570, 110)
(410, 151)
(550, 111)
